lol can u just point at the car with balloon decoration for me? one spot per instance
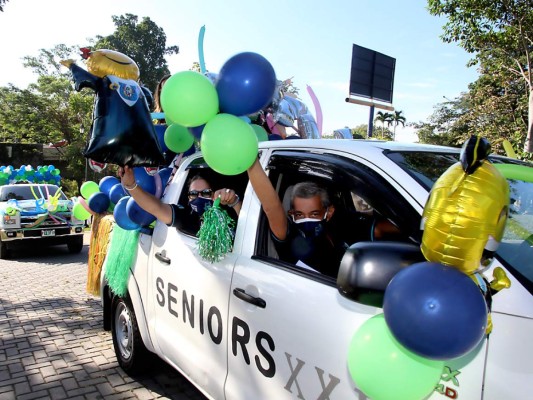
(441, 308)
(34, 209)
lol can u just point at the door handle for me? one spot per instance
(162, 257)
(256, 301)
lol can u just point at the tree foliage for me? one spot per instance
(144, 42)
(50, 110)
(500, 35)
(2, 3)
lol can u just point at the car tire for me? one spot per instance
(131, 353)
(75, 244)
(5, 253)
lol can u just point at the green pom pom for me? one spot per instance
(216, 234)
(121, 254)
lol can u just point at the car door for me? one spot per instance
(189, 301)
(290, 328)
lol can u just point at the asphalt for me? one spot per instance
(52, 345)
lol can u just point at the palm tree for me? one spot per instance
(383, 118)
(397, 118)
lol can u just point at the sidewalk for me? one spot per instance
(52, 345)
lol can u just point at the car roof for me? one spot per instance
(355, 145)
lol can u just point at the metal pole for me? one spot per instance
(370, 122)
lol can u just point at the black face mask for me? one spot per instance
(200, 205)
(311, 228)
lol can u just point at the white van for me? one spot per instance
(255, 327)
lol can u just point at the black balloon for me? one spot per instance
(122, 132)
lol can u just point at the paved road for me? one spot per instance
(52, 345)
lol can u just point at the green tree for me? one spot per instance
(397, 118)
(445, 126)
(500, 35)
(360, 131)
(384, 118)
(144, 42)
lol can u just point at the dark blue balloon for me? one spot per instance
(98, 202)
(435, 311)
(164, 174)
(144, 180)
(117, 192)
(246, 84)
(121, 216)
(196, 131)
(106, 183)
(160, 133)
(137, 214)
(274, 136)
(191, 151)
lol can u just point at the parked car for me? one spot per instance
(37, 213)
(253, 326)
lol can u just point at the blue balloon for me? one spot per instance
(246, 84)
(160, 133)
(116, 193)
(436, 311)
(144, 180)
(106, 183)
(274, 136)
(121, 216)
(137, 214)
(98, 202)
(197, 131)
(191, 151)
(164, 174)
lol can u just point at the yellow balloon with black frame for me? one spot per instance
(464, 217)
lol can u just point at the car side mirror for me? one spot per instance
(367, 268)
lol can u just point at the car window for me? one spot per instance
(516, 249)
(29, 192)
(360, 196)
(189, 222)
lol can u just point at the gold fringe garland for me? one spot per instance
(101, 229)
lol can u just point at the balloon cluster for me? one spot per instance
(26, 173)
(437, 310)
(214, 112)
(110, 196)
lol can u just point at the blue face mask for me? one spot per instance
(310, 227)
(200, 204)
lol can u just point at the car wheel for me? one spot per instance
(75, 244)
(4, 251)
(131, 353)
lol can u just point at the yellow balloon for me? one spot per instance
(464, 215)
(109, 62)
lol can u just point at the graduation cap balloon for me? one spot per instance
(122, 131)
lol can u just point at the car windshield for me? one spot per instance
(28, 192)
(516, 249)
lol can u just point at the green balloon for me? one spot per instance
(88, 188)
(229, 145)
(515, 171)
(189, 99)
(178, 138)
(80, 212)
(383, 369)
(262, 135)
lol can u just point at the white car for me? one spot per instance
(255, 327)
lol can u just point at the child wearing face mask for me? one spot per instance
(200, 197)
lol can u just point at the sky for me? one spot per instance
(310, 41)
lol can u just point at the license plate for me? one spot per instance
(48, 232)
